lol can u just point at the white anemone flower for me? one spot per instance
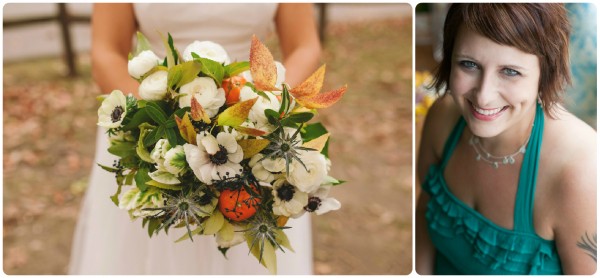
(206, 93)
(310, 178)
(319, 203)
(208, 50)
(214, 158)
(288, 199)
(113, 110)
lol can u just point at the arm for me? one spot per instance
(299, 41)
(439, 122)
(113, 26)
(575, 228)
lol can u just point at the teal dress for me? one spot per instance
(468, 243)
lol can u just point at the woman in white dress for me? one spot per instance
(106, 241)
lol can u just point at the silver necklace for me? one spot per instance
(494, 160)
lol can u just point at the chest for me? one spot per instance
(492, 192)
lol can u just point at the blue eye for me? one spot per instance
(468, 64)
(510, 72)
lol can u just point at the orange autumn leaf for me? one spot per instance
(322, 100)
(251, 147)
(262, 66)
(236, 114)
(311, 86)
(198, 112)
(186, 128)
(250, 131)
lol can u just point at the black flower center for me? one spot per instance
(286, 192)
(115, 116)
(220, 157)
(285, 147)
(263, 228)
(313, 204)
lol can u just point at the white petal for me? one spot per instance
(210, 144)
(237, 156)
(228, 141)
(195, 158)
(327, 205)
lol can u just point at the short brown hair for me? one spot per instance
(539, 29)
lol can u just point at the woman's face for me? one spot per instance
(494, 85)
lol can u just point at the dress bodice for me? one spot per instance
(466, 242)
(230, 25)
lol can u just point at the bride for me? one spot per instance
(106, 241)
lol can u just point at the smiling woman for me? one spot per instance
(504, 190)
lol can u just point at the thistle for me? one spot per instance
(285, 146)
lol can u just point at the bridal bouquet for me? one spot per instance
(219, 148)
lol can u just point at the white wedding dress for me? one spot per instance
(106, 241)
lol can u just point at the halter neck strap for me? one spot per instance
(523, 214)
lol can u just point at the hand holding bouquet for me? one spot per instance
(219, 148)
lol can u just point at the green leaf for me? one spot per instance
(236, 68)
(211, 68)
(223, 251)
(141, 178)
(214, 223)
(141, 150)
(164, 177)
(313, 131)
(138, 118)
(150, 138)
(187, 235)
(122, 149)
(129, 178)
(272, 116)
(182, 74)
(164, 186)
(268, 253)
(168, 43)
(115, 198)
(297, 118)
(141, 45)
(285, 100)
(156, 113)
(171, 136)
(282, 239)
(153, 224)
(109, 169)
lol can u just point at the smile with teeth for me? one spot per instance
(488, 112)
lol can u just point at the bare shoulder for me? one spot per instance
(569, 159)
(441, 119)
(570, 150)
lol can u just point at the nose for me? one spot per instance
(486, 90)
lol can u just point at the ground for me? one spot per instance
(49, 134)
